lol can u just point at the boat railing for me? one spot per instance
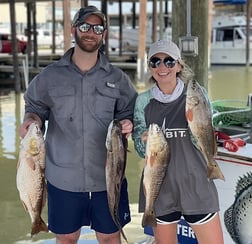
(231, 112)
(229, 14)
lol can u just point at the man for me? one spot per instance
(79, 96)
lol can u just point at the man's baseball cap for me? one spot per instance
(165, 46)
(83, 13)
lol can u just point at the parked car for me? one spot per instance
(6, 44)
(44, 39)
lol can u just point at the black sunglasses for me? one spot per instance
(169, 62)
(97, 29)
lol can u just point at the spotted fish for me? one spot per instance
(156, 162)
(199, 118)
(116, 144)
(238, 217)
(30, 177)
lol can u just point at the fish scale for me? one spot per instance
(30, 177)
(199, 118)
(156, 162)
(238, 217)
(116, 144)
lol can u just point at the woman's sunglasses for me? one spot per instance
(97, 29)
(169, 62)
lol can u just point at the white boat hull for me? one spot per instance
(229, 40)
(229, 56)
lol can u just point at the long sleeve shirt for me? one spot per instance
(79, 107)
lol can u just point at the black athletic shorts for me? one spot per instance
(190, 219)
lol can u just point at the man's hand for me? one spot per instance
(28, 119)
(127, 127)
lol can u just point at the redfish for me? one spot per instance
(199, 118)
(30, 177)
(156, 162)
(116, 144)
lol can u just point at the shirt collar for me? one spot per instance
(102, 62)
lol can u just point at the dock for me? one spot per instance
(126, 62)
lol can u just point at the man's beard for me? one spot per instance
(87, 48)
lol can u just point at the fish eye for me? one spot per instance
(195, 100)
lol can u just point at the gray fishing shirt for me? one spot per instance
(186, 187)
(79, 107)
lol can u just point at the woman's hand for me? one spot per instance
(144, 136)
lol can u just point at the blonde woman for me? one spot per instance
(186, 192)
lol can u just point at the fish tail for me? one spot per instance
(149, 219)
(214, 171)
(118, 224)
(38, 226)
(123, 235)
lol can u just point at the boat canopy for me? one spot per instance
(230, 1)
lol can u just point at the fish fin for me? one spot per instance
(144, 189)
(31, 163)
(44, 197)
(124, 236)
(214, 171)
(18, 164)
(149, 219)
(189, 114)
(38, 226)
(243, 183)
(25, 207)
(229, 223)
(215, 149)
(153, 159)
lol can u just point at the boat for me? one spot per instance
(228, 39)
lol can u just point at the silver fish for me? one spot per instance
(116, 144)
(199, 117)
(238, 217)
(156, 161)
(30, 177)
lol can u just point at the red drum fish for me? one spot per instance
(156, 163)
(199, 118)
(116, 144)
(30, 177)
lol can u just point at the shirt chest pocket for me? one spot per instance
(105, 101)
(63, 99)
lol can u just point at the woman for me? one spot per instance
(186, 192)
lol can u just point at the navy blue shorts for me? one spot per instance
(69, 211)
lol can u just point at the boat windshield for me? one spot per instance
(245, 32)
